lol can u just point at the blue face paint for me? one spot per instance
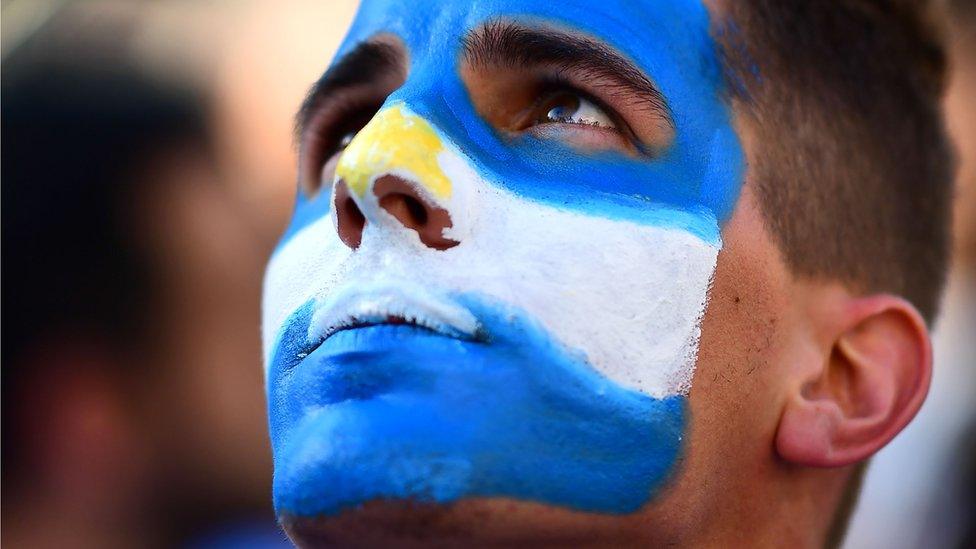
(397, 412)
(693, 186)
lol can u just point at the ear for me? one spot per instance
(873, 378)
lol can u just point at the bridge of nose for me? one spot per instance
(395, 142)
(390, 174)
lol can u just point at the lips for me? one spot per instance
(390, 303)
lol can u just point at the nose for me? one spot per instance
(390, 174)
(399, 198)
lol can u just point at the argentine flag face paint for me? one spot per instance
(547, 353)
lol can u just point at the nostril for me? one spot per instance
(417, 210)
(402, 199)
(408, 209)
(350, 220)
(355, 216)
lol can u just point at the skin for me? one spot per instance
(796, 382)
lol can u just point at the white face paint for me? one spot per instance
(628, 296)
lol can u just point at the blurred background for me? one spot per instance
(148, 168)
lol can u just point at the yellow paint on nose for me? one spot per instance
(394, 140)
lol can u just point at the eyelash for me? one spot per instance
(566, 81)
(561, 83)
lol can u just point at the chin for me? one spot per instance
(472, 522)
(399, 434)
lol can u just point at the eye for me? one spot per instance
(579, 101)
(567, 107)
(569, 116)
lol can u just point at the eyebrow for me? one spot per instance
(365, 64)
(506, 44)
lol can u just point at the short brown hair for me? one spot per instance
(853, 168)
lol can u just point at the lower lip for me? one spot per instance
(375, 338)
(362, 363)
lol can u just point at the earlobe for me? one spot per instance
(872, 382)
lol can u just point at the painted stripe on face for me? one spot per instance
(669, 40)
(397, 412)
(564, 268)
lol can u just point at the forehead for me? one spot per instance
(661, 36)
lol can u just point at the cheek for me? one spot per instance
(628, 296)
(310, 262)
(739, 350)
(738, 386)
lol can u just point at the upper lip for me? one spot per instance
(390, 303)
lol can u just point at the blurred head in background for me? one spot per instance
(132, 404)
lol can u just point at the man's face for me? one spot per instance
(495, 289)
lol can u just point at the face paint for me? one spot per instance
(547, 353)
(416, 152)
